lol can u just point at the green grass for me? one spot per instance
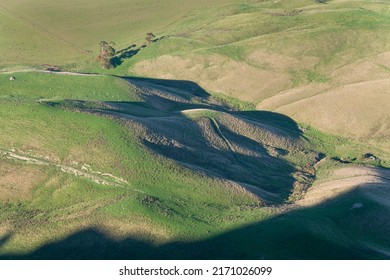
(343, 148)
(175, 203)
(66, 33)
(45, 36)
(189, 204)
(163, 201)
(233, 102)
(36, 86)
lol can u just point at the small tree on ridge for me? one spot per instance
(106, 54)
(149, 37)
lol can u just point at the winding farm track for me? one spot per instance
(85, 171)
(64, 73)
(95, 176)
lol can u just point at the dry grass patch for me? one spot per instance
(374, 183)
(292, 95)
(135, 226)
(278, 61)
(217, 73)
(17, 181)
(358, 110)
(365, 69)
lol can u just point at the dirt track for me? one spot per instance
(83, 171)
(64, 73)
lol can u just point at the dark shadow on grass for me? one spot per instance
(126, 49)
(187, 87)
(206, 144)
(4, 239)
(272, 119)
(331, 230)
(215, 148)
(267, 176)
(130, 52)
(115, 61)
(123, 54)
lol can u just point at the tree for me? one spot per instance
(149, 37)
(106, 54)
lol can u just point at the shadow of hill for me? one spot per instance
(332, 230)
(247, 148)
(4, 239)
(220, 153)
(190, 87)
(272, 119)
(174, 95)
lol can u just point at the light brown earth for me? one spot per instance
(360, 110)
(354, 102)
(217, 73)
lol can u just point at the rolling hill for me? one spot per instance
(246, 130)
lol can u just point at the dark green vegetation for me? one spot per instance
(232, 148)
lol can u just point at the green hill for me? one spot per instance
(246, 130)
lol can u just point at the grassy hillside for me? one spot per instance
(92, 171)
(287, 57)
(68, 32)
(134, 159)
(248, 129)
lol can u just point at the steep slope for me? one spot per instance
(180, 121)
(261, 132)
(85, 170)
(325, 65)
(164, 162)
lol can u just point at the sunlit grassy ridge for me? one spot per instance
(68, 32)
(185, 167)
(160, 200)
(156, 201)
(286, 56)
